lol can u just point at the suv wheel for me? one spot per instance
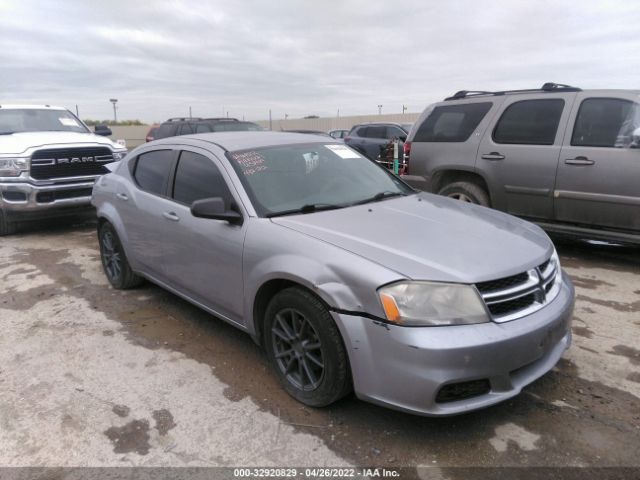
(466, 192)
(305, 348)
(6, 227)
(114, 261)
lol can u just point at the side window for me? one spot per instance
(605, 122)
(530, 122)
(452, 123)
(152, 170)
(379, 131)
(197, 177)
(165, 130)
(362, 131)
(185, 129)
(203, 128)
(395, 132)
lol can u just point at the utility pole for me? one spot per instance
(286, 115)
(404, 108)
(379, 109)
(77, 114)
(190, 116)
(115, 115)
(338, 115)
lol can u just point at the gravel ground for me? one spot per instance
(90, 376)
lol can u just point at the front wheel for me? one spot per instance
(466, 192)
(114, 261)
(305, 348)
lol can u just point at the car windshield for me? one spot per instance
(310, 177)
(14, 120)
(235, 127)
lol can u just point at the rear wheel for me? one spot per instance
(305, 348)
(466, 192)
(114, 261)
(6, 227)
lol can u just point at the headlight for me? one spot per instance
(556, 260)
(430, 303)
(13, 167)
(119, 155)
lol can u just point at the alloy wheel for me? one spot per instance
(297, 349)
(111, 257)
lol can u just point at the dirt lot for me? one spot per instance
(90, 376)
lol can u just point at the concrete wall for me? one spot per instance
(135, 136)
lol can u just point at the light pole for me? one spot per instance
(115, 115)
(379, 109)
(404, 109)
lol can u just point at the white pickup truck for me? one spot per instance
(49, 161)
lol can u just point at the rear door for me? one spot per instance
(203, 257)
(519, 155)
(598, 182)
(141, 207)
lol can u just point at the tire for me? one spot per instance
(6, 227)
(114, 261)
(467, 192)
(316, 369)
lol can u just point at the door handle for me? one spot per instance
(492, 156)
(171, 216)
(122, 196)
(579, 161)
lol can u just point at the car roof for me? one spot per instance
(30, 107)
(232, 141)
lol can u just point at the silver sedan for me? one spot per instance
(347, 277)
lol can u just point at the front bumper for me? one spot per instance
(404, 368)
(26, 201)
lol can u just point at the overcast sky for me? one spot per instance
(304, 57)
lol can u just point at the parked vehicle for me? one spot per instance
(49, 160)
(565, 158)
(338, 133)
(345, 275)
(187, 126)
(373, 139)
(151, 134)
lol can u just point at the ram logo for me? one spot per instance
(60, 161)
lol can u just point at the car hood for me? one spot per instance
(18, 143)
(429, 237)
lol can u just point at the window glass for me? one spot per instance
(236, 127)
(452, 123)
(606, 122)
(288, 177)
(186, 129)
(203, 128)
(165, 130)
(395, 132)
(530, 122)
(362, 132)
(379, 131)
(197, 177)
(152, 170)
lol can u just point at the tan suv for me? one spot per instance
(563, 157)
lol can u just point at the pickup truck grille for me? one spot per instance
(513, 297)
(70, 162)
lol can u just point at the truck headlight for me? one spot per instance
(432, 304)
(119, 155)
(13, 167)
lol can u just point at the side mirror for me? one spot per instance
(402, 138)
(215, 209)
(102, 130)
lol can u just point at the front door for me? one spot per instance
(203, 257)
(598, 182)
(519, 156)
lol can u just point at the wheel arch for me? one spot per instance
(442, 178)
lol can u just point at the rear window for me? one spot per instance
(152, 170)
(452, 123)
(165, 130)
(529, 122)
(606, 122)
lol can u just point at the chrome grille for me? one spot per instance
(518, 295)
(70, 162)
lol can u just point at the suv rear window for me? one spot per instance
(452, 123)
(530, 122)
